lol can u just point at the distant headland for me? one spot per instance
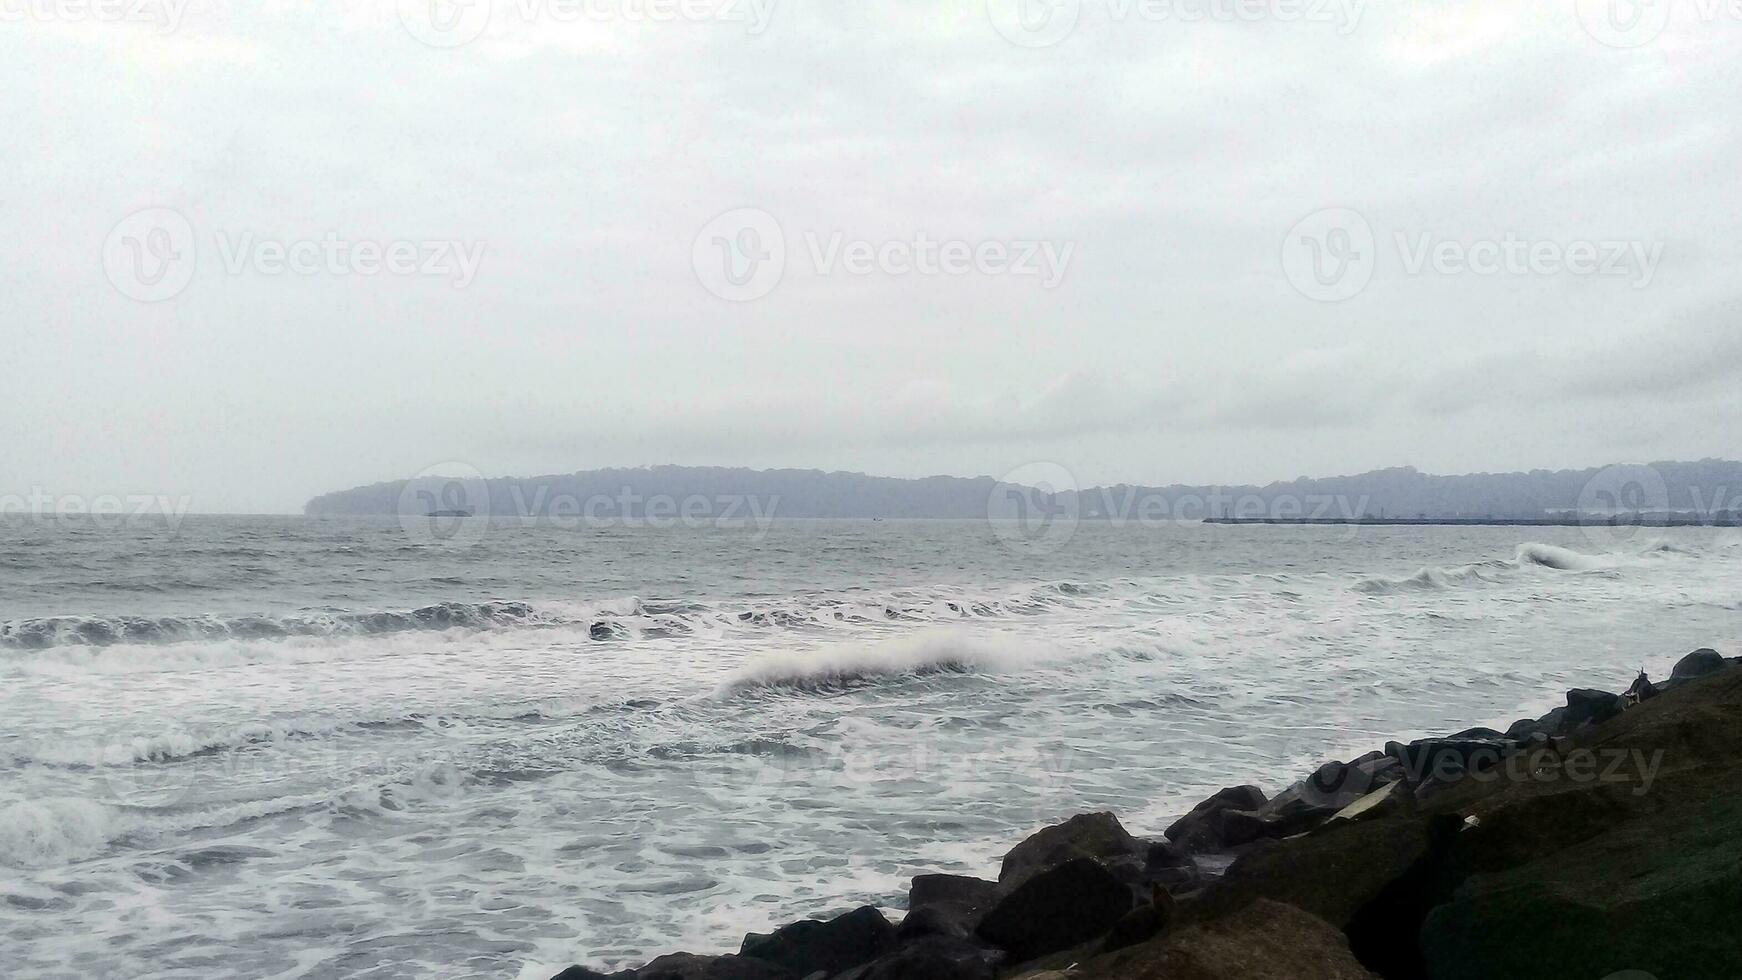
(1707, 491)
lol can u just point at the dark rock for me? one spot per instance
(688, 966)
(1310, 802)
(1262, 940)
(942, 889)
(1141, 923)
(831, 946)
(1240, 827)
(1337, 784)
(931, 958)
(1585, 705)
(1448, 759)
(1056, 909)
(1697, 664)
(1524, 727)
(1554, 723)
(1161, 854)
(1488, 734)
(1530, 742)
(581, 973)
(1178, 881)
(1333, 874)
(1092, 835)
(946, 905)
(932, 920)
(1197, 831)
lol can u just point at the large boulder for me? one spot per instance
(930, 958)
(1200, 830)
(1262, 940)
(831, 946)
(1696, 665)
(689, 966)
(1335, 785)
(1446, 760)
(1087, 835)
(1374, 879)
(1586, 705)
(1056, 909)
(946, 905)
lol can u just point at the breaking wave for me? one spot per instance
(101, 631)
(1531, 554)
(619, 619)
(850, 665)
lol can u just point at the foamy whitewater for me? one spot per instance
(329, 748)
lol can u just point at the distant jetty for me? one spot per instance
(1729, 519)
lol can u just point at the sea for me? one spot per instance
(361, 747)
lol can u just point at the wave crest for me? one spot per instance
(855, 664)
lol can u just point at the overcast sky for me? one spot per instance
(1232, 243)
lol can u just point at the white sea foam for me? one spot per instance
(46, 832)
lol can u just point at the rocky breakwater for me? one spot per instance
(1602, 840)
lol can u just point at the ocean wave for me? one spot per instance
(103, 631)
(1562, 559)
(174, 745)
(1530, 554)
(623, 618)
(55, 831)
(849, 665)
